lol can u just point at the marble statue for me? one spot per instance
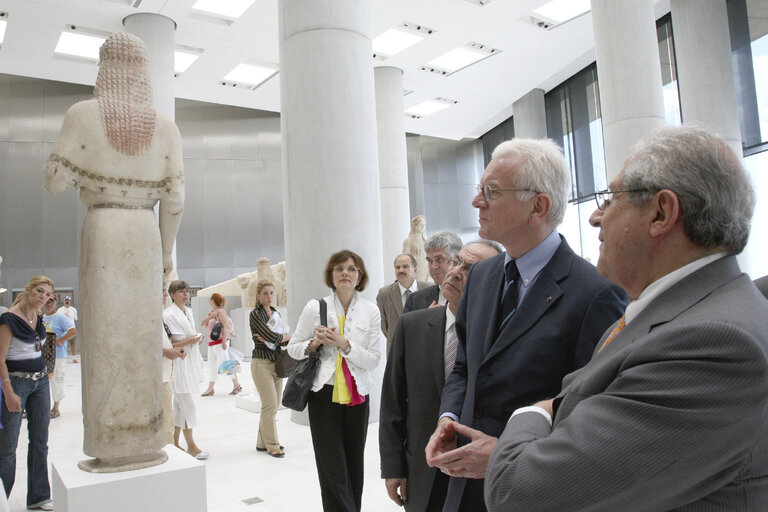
(249, 280)
(414, 245)
(123, 157)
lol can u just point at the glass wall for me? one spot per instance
(668, 71)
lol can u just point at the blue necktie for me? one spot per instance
(509, 294)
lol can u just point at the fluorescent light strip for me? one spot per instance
(232, 9)
(456, 59)
(250, 75)
(79, 45)
(561, 11)
(182, 61)
(428, 107)
(394, 41)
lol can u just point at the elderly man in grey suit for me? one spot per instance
(671, 412)
(391, 298)
(423, 353)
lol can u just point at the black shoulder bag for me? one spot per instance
(299, 384)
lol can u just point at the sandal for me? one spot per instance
(278, 455)
(208, 393)
(236, 390)
(55, 413)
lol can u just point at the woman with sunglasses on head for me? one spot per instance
(24, 383)
(351, 346)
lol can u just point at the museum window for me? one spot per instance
(671, 91)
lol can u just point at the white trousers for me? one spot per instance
(184, 410)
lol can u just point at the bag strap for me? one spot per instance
(323, 312)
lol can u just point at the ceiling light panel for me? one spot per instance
(400, 38)
(459, 58)
(231, 9)
(182, 61)
(250, 74)
(429, 107)
(561, 11)
(3, 25)
(79, 44)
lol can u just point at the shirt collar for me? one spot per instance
(413, 287)
(663, 283)
(530, 264)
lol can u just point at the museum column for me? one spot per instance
(529, 116)
(157, 31)
(629, 71)
(393, 164)
(704, 69)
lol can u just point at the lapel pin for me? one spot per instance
(548, 299)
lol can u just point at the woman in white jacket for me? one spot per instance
(351, 348)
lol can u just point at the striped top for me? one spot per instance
(258, 321)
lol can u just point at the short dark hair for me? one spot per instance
(340, 257)
(177, 286)
(413, 259)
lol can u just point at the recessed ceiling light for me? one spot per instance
(561, 11)
(3, 24)
(394, 41)
(250, 74)
(228, 8)
(429, 107)
(182, 60)
(456, 59)
(79, 45)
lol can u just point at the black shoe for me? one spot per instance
(264, 449)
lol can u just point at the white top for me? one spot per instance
(188, 372)
(69, 312)
(362, 327)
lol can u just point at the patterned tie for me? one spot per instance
(450, 351)
(406, 294)
(509, 297)
(616, 330)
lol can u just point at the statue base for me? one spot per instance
(121, 464)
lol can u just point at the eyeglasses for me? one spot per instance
(350, 269)
(489, 191)
(604, 197)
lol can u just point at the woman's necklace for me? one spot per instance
(30, 318)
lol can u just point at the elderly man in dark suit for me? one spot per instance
(670, 413)
(527, 318)
(423, 352)
(392, 297)
(442, 249)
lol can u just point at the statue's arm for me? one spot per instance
(58, 177)
(172, 200)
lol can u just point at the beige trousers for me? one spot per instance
(168, 412)
(270, 388)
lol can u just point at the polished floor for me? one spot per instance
(239, 479)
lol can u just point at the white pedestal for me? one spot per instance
(249, 403)
(178, 484)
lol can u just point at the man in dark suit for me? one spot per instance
(391, 298)
(670, 413)
(442, 249)
(527, 318)
(423, 351)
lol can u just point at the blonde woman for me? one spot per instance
(216, 347)
(24, 383)
(268, 331)
(187, 372)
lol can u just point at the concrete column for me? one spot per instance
(157, 31)
(628, 68)
(704, 70)
(393, 164)
(530, 116)
(329, 147)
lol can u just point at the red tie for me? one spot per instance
(616, 330)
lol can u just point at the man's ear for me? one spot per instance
(667, 212)
(542, 204)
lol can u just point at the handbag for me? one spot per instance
(216, 332)
(299, 384)
(284, 363)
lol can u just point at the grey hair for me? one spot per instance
(490, 243)
(544, 170)
(446, 241)
(715, 193)
(413, 259)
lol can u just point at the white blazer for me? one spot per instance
(362, 327)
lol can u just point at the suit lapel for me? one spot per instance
(544, 294)
(434, 336)
(394, 296)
